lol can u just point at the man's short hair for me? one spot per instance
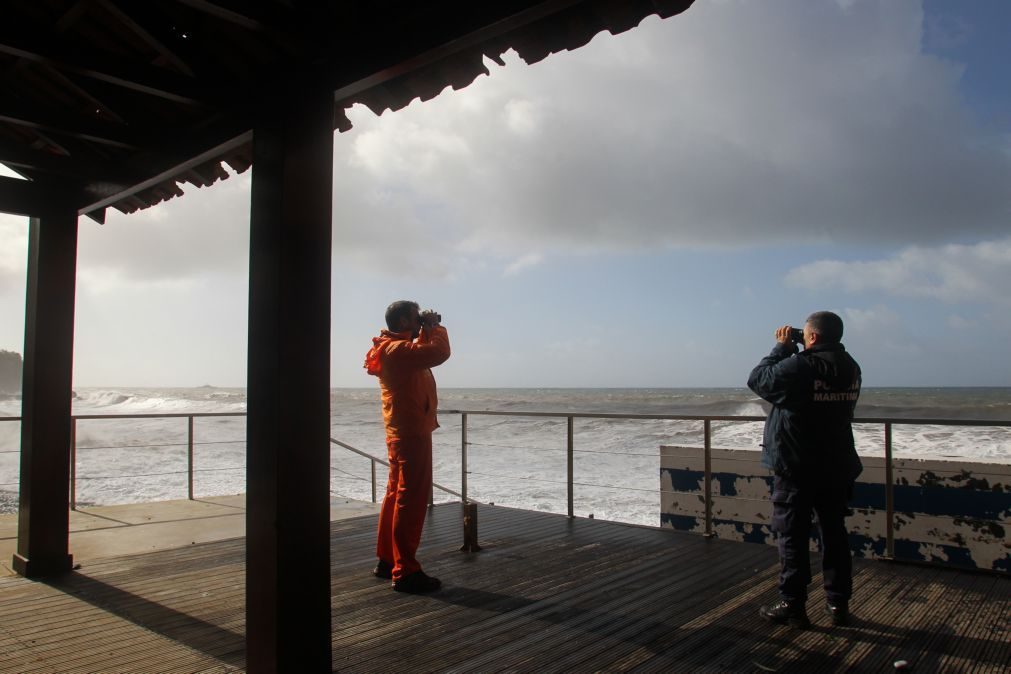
(826, 325)
(398, 310)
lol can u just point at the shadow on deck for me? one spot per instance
(545, 594)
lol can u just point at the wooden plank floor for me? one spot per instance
(546, 594)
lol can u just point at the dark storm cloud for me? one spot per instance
(739, 123)
(736, 124)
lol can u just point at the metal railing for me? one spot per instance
(190, 444)
(376, 459)
(189, 416)
(888, 424)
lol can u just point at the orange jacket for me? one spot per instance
(405, 378)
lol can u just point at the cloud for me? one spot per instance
(883, 337)
(945, 31)
(737, 123)
(13, 252)
(523, 262)
(975, 274)
(203, 234)
(957, 322)
(734, 124)
(872, 322)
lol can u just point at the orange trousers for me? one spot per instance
(406, 503)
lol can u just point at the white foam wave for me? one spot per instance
(519, 461)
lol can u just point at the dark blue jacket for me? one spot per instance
(808, 433)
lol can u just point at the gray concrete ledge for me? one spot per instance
(109, 531)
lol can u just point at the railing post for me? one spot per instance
(373, 462)
(463, 457)
(73, 463)
(568, 457)
(189, 459)
(431, 488)
(889, 495)
(708, 476)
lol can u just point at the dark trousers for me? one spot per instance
(793, 503)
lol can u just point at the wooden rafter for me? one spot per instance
(135, 77)
(222, 13)
(136, 27)
(89, 128)
(277, 25)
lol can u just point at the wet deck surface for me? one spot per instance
(546, 594)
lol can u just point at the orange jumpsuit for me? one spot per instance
(403, 366)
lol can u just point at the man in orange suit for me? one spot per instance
(402, 357)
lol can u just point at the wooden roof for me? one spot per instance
(118, 103)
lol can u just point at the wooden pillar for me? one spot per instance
(43, 516)
(288, 422)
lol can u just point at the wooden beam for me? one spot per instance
(43, 513)
(276, 25)
(371, 74)
(31, 198)
(443, 39)
(288, 419)
(115, 175)
(82, 126)
(142, 79)
(227, 15)
(172, 164)
(134, 26)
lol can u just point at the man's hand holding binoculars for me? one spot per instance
(790, 336)
(430, 319)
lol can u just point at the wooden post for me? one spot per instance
(569, 468)
(189, 457)
(707, 432)
(44, 515)
(288, 423)
(470, 528)
(889, 496)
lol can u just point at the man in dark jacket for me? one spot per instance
(808, 444)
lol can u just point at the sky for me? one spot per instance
(641, 212)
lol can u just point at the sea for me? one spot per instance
(516, 460)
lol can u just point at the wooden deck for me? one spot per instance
(546, 594)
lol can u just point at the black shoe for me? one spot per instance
(383, 570)
(417, 583)
(839, 612)
(786, 613)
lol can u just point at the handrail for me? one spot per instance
(151, 415)
(376, 459)
(887, 422)
(725, 417)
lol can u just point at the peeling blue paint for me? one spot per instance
(1003, 564)
(974, 515)
(728, 483)
(928, 500)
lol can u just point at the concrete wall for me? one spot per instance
(949, 512)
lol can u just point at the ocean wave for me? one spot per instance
(101, 398)
(608, 452)
(153, 401)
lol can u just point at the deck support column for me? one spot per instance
(43, 506)
(288, 423)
